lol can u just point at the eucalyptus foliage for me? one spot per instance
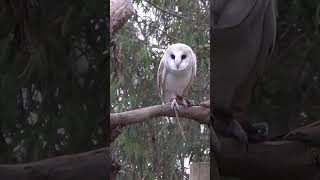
(289, 93)
(52, 77)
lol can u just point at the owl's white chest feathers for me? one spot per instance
(176, 83)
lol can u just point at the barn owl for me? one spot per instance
(176, 73)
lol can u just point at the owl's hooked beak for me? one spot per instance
(178, 62)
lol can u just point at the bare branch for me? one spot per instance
(295, 155)
(89, 165)
(309, 133)
(168, 12)
(120, 12)
(197, 113)
(274, 160)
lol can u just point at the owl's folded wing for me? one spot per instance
(160, 79)
(192, 77)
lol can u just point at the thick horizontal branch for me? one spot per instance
(309, 134)
(274, 160)
(93, 165)
(197, 113)
(294, 156)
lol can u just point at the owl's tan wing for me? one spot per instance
(160, 79)
(193, 75)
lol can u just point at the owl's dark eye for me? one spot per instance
(183, 57)
(172, 56)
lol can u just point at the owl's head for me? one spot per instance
(179, 57)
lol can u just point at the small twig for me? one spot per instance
(157, 28)
(168, 12)
(291, 45)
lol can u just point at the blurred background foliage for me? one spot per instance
(289, 93)
(154, 149)
(53, 79)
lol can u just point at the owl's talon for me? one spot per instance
(174, 104)
(184, 103)
(190, 103)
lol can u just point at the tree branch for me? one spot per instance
(295, 155)
(93, 165)
(273, 160)
(165, 11)
(197, 113)
(120, 12)
(281, 159)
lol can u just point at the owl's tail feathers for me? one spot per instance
(180, 127)
(175, 107)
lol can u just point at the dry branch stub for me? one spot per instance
(120, 12)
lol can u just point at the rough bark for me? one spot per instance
(197, 113)
(308, 134)
(277, 160)
(93, 165)
(294, 156)
(120, 12)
